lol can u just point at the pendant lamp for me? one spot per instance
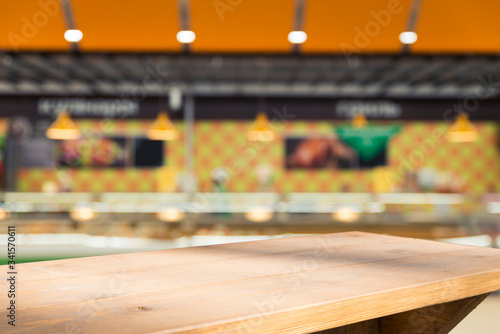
(63, 128)
(163, 128)
(359, 121)
(462, 130)
(261, 129)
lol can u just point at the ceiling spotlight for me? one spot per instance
(186, 36)
(73, 35)
(408, 37)
(297, 37)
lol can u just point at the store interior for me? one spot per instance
(172, 166)
(134, 126)
(171, 124)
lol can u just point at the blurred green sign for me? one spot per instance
(368, 141)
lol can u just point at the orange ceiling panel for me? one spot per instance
(32, 25)
(117, 25)
(357, 26)
(242, 25)
(458, 26)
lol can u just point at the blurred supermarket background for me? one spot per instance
(129, 126)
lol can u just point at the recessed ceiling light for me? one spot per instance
(297, 37)
(408, 37)
(186, 36)
(73, 35)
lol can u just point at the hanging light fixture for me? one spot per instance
(462, 130)
(63, 128)
(261, 129)
(359, 120)
(163, 128)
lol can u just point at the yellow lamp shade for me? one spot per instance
(261, 129)
(462, 130)
(163, 128)
(63, 128)
(359, 121)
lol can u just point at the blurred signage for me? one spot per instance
(369, 142)
(243, 108)
(37, 152)
(352, 148)
(81, 107)
(371, 109)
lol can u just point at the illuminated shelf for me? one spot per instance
(223, 202)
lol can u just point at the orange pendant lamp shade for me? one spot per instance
(462, 130)
(359, 121)
(163, 128)
(261, 129)
(63, 128)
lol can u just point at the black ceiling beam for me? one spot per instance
(249, 75)
(69, 18)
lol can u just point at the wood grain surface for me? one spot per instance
(289, 285)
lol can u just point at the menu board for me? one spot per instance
(319, 152)
(348, 148)
(102, 152)
(37, 152)
(110, 152)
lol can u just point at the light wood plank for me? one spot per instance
(365, 327)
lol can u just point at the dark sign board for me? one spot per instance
(285, 109)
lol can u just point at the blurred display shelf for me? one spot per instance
(127, 222)
(225, 202)
(492, 203)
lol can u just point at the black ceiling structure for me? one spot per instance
(335, 76)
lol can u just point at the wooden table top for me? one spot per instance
(289, 285)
